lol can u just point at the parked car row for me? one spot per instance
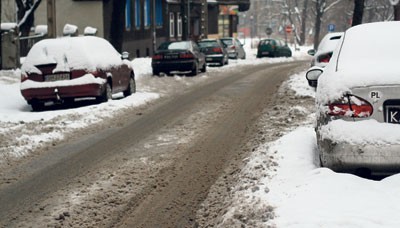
(358, 100)
(188, 57)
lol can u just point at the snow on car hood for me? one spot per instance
(366, 56)
(87, 52)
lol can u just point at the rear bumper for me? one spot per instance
(214, 58)
(62, 92)
(170, 66)
(348, 158)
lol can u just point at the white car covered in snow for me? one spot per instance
(358, 101)
(62, 69)
(325, 51)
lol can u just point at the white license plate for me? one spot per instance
(208, 59)
(265, 52)
(56, 77)
(393, 114)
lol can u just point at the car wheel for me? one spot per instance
(131, 87)
(195, 69)
(107, 94)
(156, 72)
(204, 68)
(37, 106)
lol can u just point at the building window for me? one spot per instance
(159, 13)
(128, 22)
(138, 22)
(179, 25)
(147, 16)
(171, 25)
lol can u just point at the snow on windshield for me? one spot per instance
(87, 52)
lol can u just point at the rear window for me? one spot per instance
(227, 41)
(205, 44)
(174, 46)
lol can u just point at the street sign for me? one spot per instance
(288, 28)
(268, 31)
(331, 27)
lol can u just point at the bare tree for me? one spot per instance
(321, 6)
(25, 16)
(358, 12)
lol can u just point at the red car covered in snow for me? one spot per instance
(62, 69)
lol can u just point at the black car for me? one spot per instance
(215, 51)
(178, 57)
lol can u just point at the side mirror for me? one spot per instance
(125, 55)
(311, 52)
(312, 76)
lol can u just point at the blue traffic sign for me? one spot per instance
(331, 27)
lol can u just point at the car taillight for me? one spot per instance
(325, 58)
(186, 56)
(233, 47)
(24, 77)
(217, 50)
(157, 57)
(96, 73)
(351, 106)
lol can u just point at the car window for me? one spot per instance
(204, 44)
(227, 41)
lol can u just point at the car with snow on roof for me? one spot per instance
(62, 69)
(358, 101)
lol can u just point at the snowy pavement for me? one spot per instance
(301, 193)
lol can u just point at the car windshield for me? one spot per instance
(227, 41)
(174, 45)
(204, 44)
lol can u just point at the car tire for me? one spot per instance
(107, 94)
(204, 68)
(131, 87)
(195, 69)
(156, 72)
(37, 106)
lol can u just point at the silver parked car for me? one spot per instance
(358, 101)
(234, 47)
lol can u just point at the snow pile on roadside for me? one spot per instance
(283, 186)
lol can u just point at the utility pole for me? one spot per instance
(51, 19)
(204, 19)
(154, 26)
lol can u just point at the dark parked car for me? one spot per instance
(234, 48)
(178, 57)
(215, 52)
(273, 48)
(62, 69)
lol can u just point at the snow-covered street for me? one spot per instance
(281, 180)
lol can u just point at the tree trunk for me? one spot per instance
(117, 24)
(26, 18)
(303, 23)
(397, 12)
(358, 12)
(318, 19)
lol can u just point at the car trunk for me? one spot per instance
(384, 99)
